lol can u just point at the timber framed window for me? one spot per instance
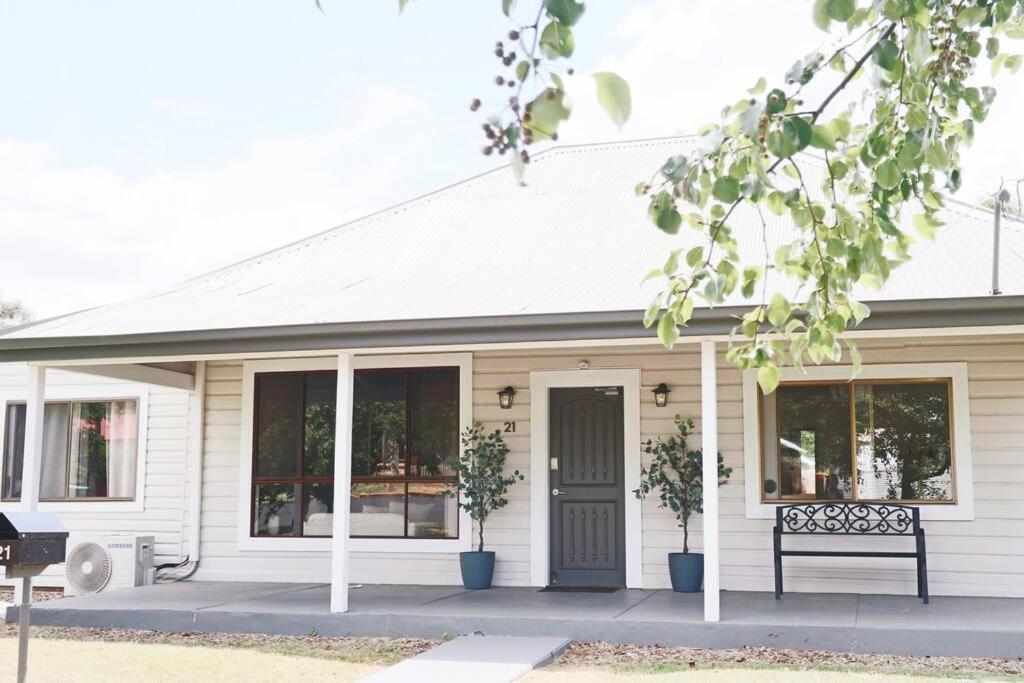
(90, 450)
(879, 440)
(405, 429)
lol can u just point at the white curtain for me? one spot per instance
(122, 448)
(104, 447)
(53, 470)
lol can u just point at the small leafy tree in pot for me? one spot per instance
(483, 488)
(676, 476)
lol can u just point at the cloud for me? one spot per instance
(73, 237)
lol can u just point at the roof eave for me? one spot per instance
(885, 315)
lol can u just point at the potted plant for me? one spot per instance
(676, 476)
(482, 488)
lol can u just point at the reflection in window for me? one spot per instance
(90, 450)
(404, 430)
(866, 440)
(903, 444)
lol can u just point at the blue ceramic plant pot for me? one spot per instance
(686, 571)
(477, 568)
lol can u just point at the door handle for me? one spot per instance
(557, 492)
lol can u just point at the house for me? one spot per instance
(327, 380)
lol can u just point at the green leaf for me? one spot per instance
(758, 87)
(768, 378)
(522, 70)
(820, 14)
(887, 54)
(778, 310)
(822, 138)
(694, 256)
(726, 190)
(775, 101)
(546, 113)
(567, 12)
(969, 16)
(840, 10)
(909, 157)
(856, 359)
(918, 45)
(507, 6)
(613, 95)
(556, 40)
(926, 224)
(667, 331)
(887, 175)
(664, 214)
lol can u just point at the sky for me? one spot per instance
(142, 144)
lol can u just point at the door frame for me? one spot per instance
(541, 381)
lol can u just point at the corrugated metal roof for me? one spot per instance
(575, 238)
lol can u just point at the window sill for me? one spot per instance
(91, 506)
(368, 545)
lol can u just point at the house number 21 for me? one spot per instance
(510, 426)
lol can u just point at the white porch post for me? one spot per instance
(709, 445)
(32, 458)
(342, 485)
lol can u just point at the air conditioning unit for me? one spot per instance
(107, 563)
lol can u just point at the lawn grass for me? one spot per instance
(103, 662)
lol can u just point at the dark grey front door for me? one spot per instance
(587, 516)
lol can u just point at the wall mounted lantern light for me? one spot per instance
(661, 395)
(505, 397)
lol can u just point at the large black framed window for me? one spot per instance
(405, 429)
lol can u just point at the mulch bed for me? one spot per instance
(603, 654)
(38, 594)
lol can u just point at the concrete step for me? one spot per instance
(475, 659)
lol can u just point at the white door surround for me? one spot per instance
(541, 381)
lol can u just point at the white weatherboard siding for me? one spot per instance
(164, 502)
(980, 557)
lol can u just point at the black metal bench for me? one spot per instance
(850, 519)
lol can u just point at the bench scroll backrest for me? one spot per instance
(870, 519)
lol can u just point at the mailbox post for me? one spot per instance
(29, 543)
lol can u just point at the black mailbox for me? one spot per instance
(30, 541)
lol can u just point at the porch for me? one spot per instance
(961, 626)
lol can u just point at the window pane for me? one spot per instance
(431, 513)
(53, 473)
(903, 442)
(378, 424)
(318, 444)
(809, 453)
(278, 415)
(104, 446)
(275, 509)
(378, 509)
(318, 519)
(433, 422)
(14, 450)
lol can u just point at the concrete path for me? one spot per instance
(890, 624)
(474, 659)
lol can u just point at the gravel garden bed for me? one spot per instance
(606, 654)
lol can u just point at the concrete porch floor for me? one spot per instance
(979, 627)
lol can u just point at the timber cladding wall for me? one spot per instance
(980, 557)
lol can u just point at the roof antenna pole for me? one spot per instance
(997, 209)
